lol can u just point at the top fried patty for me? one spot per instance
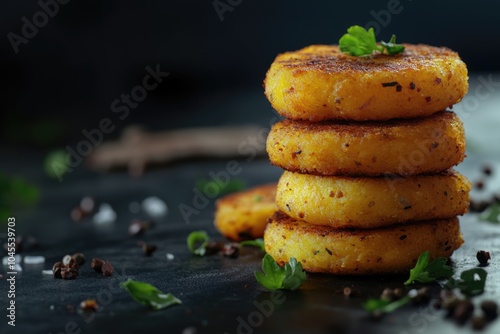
(321, 83)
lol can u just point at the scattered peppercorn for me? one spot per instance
(68, 261)
(479, 185)
(89, 305)
(107, 269)
(68, 273)
(148, 249)
(79, 258)
(213, 247)
(388, 295)
(489, 308)
(77, 214)
(420, 296)
(400, 293)
(463, 311)
(448, 301)
(231, 250)
(85, 209)
(487, 170)
(483, 257)
(478, 323)
(138, 227)
(96, 264)
(56, 269)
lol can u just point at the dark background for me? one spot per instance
(65, 78)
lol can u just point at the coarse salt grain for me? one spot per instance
(154, 207)
(17, 259)
(105, 215)
(34, 259)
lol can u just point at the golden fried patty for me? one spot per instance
(243, 215)
(355, 251)
(402, 147)
(321, 83)
(364, 202)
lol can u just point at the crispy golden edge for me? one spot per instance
(401, 147)
(366, 202)
(243, 215)
(388, 250)
(320, 83)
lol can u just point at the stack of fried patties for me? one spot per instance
(367, 149)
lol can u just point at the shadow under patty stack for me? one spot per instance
(367, 147)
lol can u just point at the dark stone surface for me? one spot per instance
(215, 291)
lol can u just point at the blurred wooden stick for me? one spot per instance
(136, 148)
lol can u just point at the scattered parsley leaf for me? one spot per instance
(385, 306)
(361, 42)
(259, 243)
(294, 275)
(492, 214)
(391, 47)
(55, 164)
(197, 241)
(426, 272)
(15, 195)
(147, 294)
(470, 283)
(290, 276)
(218, 187)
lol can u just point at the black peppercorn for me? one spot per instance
(483, 257)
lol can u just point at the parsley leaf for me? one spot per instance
(383, 305)
(290, 276)
(199, 238)
(56, 164)
(470, 283)
(426, 272)
(147, 294)
(259, 243)
(361, 42)
(492, 214)
(391, 47)
(15, 195)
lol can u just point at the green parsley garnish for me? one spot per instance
(470, 283)
(197, 241)
(55, 164)
(147, 294)
(361, 42)
(383, 305)
(290, 276)
(15, 194)
(492, 214)
(426, 272)
(259, 243)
